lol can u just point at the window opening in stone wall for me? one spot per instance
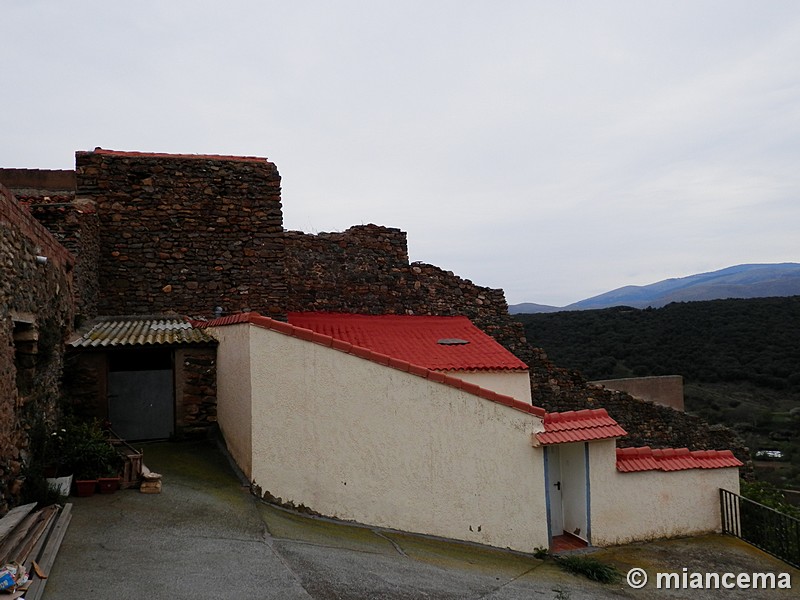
(26, 349)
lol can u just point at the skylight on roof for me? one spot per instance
(452, 342)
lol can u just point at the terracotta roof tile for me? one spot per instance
(579, 426)
(416, 339)
(630, 460)
(368, 354)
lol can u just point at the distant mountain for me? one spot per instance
(741, 281)
(529, 308)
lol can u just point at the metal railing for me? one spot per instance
(763, 527)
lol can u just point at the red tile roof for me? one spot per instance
(367, 354)
(416, 339)
(579, 426)
(630, 460)
(167, 155)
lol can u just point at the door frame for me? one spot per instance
(579, 475)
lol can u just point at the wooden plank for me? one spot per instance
(35, 534)
(13, 518)
(48, 556)
(37, 550)
(17, 537)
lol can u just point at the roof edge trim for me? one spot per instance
(254, 318)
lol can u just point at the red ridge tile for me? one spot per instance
(630, 460)
(577, 426)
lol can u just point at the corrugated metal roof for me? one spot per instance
(422, 340)
(630, 460)
(579, 426)
(144, 331)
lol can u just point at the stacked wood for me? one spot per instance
(29, 541)
(132, 469)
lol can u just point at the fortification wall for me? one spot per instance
(185, 233)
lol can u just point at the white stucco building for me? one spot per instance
(422, 424)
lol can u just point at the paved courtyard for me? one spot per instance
(206, 536)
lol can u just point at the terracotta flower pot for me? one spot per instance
(85, 487)
(108, 485)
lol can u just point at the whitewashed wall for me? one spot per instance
(352, 439)
(234, 412)
(516, 384)
(647, 505)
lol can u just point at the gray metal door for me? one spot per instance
(141, 404)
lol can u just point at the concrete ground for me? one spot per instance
(206, 536)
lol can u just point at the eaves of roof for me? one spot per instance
(631, 460)
(141, 331)
(579, 426)
(308, 335)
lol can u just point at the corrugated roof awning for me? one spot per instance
(141, 331)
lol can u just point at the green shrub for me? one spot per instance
(589, 567)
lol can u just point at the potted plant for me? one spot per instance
(57, 474)
(90, 456)
(111, 464)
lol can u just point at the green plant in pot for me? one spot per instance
(90, 456)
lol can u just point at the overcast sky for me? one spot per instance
(555, 149)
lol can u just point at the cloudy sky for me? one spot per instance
(555, 149)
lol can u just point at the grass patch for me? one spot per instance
(589, 567)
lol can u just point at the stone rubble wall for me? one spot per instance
(42, 295)
(50, 197)
(185, 234)
(196, 388)
(365, 269)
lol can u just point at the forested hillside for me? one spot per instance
(740, 360)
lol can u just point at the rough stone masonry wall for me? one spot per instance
(185, 233)
(40, 295)
(76, 226)
(50, 196)
(366, 269)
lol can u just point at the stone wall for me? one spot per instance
(36, 314)
(76, 226)
(365, 269)
(185, 233)
(196, 388)
(50, 196)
